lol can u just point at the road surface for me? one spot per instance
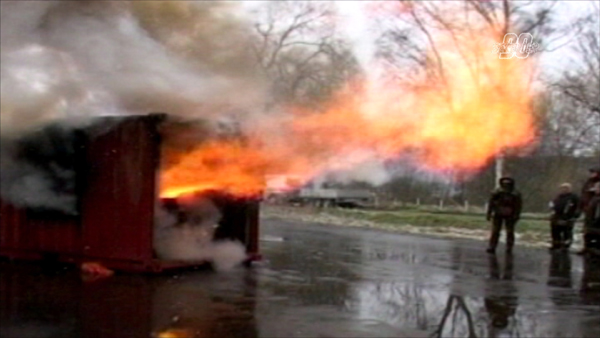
(320, 281)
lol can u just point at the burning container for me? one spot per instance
(117, 197)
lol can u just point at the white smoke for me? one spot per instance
(192, 239)
(85, 58)
(68, 61)
(364, 166)
(39, 170)
(193, 244)
(26, 187)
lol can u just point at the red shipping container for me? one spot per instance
(115, 225)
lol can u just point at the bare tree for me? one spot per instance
(408, 42)
(301, 52)
(582, 84)
(571, 108)
(408, 34)
(568, 127)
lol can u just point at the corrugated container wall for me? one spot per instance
(117, 205)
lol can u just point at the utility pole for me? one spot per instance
(500, 156)
(499, 168)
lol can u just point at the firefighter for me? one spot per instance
(565, 207)
(586, 190)
(587, 193)
(504, 207)
(591, 227)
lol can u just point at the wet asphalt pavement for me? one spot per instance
(320, 281)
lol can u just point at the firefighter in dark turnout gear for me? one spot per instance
(591, 227)
(586, 191)
(565, 209)
(504, 208)
(587, 194)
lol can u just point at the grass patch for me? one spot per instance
(532, 228)
(436, 219)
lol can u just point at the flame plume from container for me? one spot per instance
(481, 107)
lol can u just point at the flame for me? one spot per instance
(176, 333)
(478, 108)
(228, 166)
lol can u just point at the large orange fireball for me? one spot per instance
(480, 108)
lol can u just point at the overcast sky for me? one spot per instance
(356, 26)
(355, 23)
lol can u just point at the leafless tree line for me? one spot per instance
(300, 50)
(566, 107)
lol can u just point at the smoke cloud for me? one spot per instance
(68, 61)
(65, 58)
(40, 170)
(185, 232)
(192, 59)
